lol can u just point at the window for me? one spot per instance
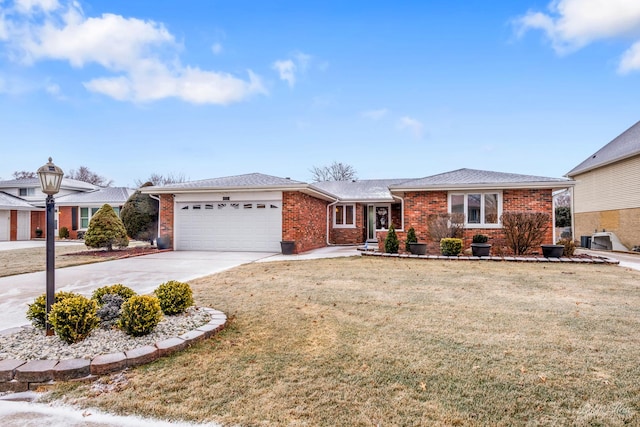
(344, 216)
(27, 192)
(479, 209)
(87, 213)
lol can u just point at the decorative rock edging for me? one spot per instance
(601, 260)
(22, 375)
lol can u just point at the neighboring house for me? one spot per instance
(607, 191)
(75, 210)
(254, 212)
(23, 203)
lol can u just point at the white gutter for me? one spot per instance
(401, 204)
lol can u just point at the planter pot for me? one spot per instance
(288, 247)
(163, 243)
(418, 248)
(481, 249)
(552, 251)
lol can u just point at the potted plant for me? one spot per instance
(552, 251)
(412, 244)
(287, 247)
(479, 245)
(38, 232)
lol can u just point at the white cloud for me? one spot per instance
(375, 114)
(217, 48)
(573, 24)
(140, 54)
(287, 71)
(630, 59)
(412, 125)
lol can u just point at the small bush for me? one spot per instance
(391, 242)
(175, 297)
(118, 289)
(140, 315)
(37, 312)
(479, 238)
(524, 230)
(450, 246)
(109, 312)
(411, 238)
(74, 318)
(63, 233)
(569, 247)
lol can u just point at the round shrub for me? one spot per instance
(74, 318)
(37, 312)
(109, 312)
(175, 297)
(140, 314)
(569, 247)
(118, 289)
(450, 246)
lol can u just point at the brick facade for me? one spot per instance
(166, 217)
(304, 220)
(349, 236)
(38, 220)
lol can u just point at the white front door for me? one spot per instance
(378, 218)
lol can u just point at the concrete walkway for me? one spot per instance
(627, 259)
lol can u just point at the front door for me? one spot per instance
(378, 218)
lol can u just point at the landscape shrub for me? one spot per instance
(37, 312)
(479, 238)
(569, 247)
(563, 216)
(524, 230)
(109, 312)
(140, 215)
(444, 225)
(106, 230)
(74, 318)
(124, 291)
(63, 233)
(139, 315)
(391, 242)
(450, 246)
(411, 238)
(175, 297)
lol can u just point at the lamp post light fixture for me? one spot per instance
(50, 179)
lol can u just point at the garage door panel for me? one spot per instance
(5, 217)
(242, 226)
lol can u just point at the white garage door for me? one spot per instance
(225, 226)
(5, 217)
(24, 225)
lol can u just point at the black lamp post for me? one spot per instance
(50, 179)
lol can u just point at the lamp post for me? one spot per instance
(50, 179)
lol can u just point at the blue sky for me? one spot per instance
(211, 88)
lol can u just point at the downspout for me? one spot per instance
(329, 206)
(573, 216)
(402, 210)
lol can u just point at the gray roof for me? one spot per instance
(474, 178)
(111, 195)
(7, 201)
(364, 190)
(67, 183)
(622, 147)
(251, 180)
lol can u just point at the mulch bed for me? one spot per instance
(118, 253)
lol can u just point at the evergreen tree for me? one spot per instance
(106, 230)
(391, 243)
(140, 216)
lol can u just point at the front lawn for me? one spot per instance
(370, 341)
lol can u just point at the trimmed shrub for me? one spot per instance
(106, 230)
(140, 315)
(123, 291)
(109, 312)
(479, 238)
(569, 247)
(74, 318)
(411, 238)
(63, 233)
(450, 246)
(37, 312)
(140, 216)
(391, 242)
(175, 297)
(563, 216)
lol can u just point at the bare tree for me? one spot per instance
(159, 179)
(337, 171)
(86, 175)
(24, 175)
(445, 225)
(524, 230)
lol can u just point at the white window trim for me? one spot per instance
(466, 198)
(344, 216)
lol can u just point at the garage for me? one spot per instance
(5, 223)
(254, 225)
(24, 225)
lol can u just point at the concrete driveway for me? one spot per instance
(143, 274)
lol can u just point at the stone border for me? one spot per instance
(600, 260)
(22, 375)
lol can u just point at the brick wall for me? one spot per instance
(531, 200)
(38, 220)
(64, 220)
(166, 217)
(304, 220)
(349, 236)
